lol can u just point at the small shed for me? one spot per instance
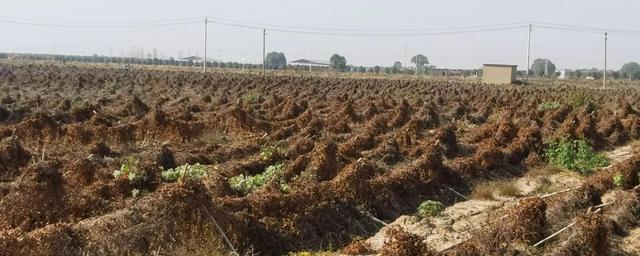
(499, 74)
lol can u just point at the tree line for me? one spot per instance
(278, 61)
(546, 68)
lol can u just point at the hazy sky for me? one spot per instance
(566, 49)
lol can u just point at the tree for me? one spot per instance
(628, 70)
(276, 60)
(539, 66)
(338, 62)
(577, 73)
(420, 60)
(397, 67)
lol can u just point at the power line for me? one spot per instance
(79, 25)
(103, 22)
(324, 30)
(274, 26)
(452, 32)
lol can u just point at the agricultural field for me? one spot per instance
(107, 161)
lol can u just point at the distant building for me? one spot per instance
(310, 62)
(446, 72)
(196, 59)
(499, 74)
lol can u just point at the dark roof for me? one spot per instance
(311, 62)
(500, 65)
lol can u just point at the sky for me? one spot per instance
(566, 49)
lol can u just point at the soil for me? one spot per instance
(357, 153)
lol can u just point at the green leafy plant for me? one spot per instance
(574, 155)
(429, 208)
(135, 193)
(618, 180)
(546, 106)
(578, 98)
(129, 170)
(245, 184)
(267, 153)
(252, 98)
(186, 171)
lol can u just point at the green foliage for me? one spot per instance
(338, 62)
(267, 153)
(276, 60)
(420, 60)
(135, 193)
(539, 66)
(618, 180)
(546, 106)
(631, 70)
(186, 171)
(252, 98)
(429, 208)
(129, 170)
(245, 184)
(579, 98)
(574, 155)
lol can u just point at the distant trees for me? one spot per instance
(630, 70)
(338, 62)
(276, 60)
(3, 56)
(420, 61)
(397, 67)
(540, 65)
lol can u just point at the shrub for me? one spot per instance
(574, 155)
(618, 180)
(578, 98)
(196, 171)
(429, 208)
(129, 170)
(545, 106)
(246, 184)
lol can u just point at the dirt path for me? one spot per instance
(631, 243)
(456, 222)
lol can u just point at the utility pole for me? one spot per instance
(264, 50)
(604, 76)
(310, 57)
(204, 61)
(546, 67)
(529, 51)
(219, 58)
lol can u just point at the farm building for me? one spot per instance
(446, 72)
(499, 74)
(196, 59)
(310, 62)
